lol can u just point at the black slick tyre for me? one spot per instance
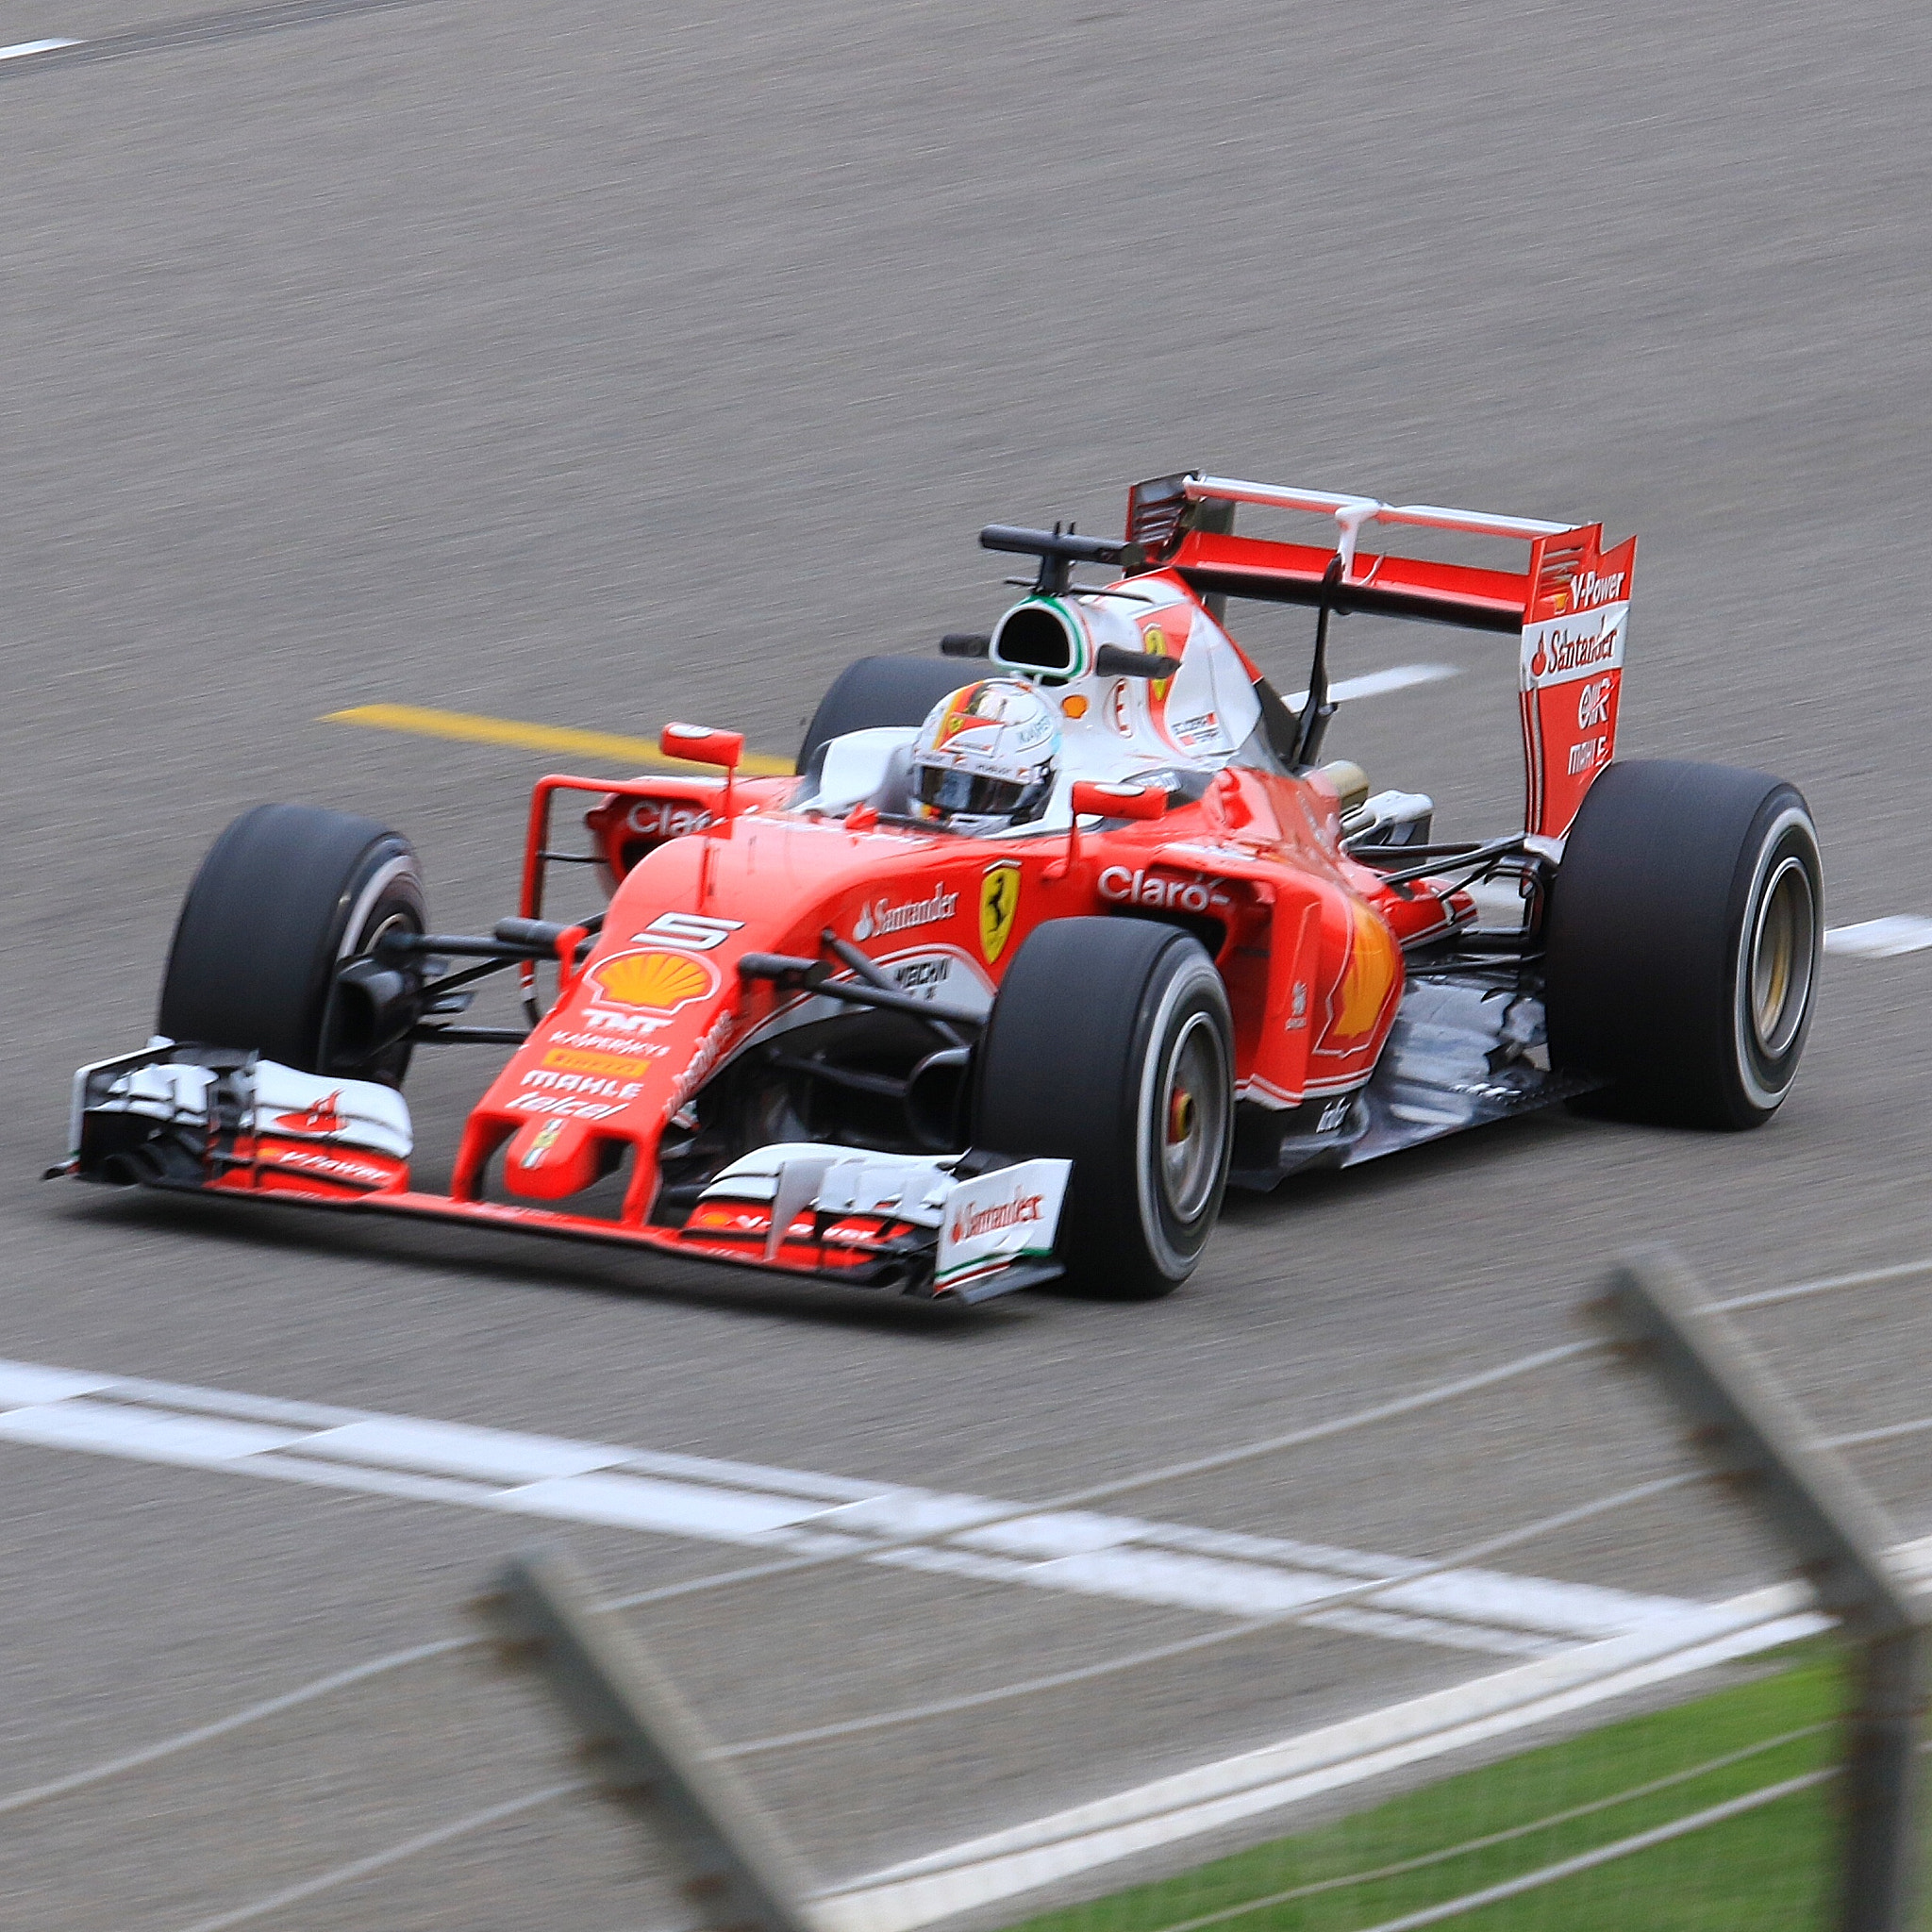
(285, 894)
(1684, 930)
(874, 693)
(1110, 1045)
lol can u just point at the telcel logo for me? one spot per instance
(1139, 887)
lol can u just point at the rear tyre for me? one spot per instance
(1684, 931)
(874, 693)
(1111, 1046)
(286, 895)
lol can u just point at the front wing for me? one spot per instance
(231, 1124)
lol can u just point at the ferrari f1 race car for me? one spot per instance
(1049, 940)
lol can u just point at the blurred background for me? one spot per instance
(603, 365)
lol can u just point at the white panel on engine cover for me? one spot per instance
(907, 1186)
(998, 1218)
(350, 1113)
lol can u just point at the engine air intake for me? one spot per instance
(1032, 637)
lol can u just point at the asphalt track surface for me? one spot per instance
(602, 364)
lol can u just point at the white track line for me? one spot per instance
(1603, 1855)
(20, 49)
(235, 1721)
(1873, 939)
(1080, 1552)
(1005, 1864)
(361, 1867)
(1375, 684)
(1534, 1828)
(1881, 938)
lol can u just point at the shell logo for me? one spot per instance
(661, 981)
(1375, 966)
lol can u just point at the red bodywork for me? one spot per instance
(1309, 943)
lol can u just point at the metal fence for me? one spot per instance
(1746, 1761)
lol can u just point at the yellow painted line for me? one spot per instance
(473, 728)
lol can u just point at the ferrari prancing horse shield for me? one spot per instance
(999, 900)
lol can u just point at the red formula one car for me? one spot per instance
(1031, 959)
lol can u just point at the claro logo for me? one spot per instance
(975, 1222)
(667, 818)
(1137, 888)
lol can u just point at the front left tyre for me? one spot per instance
(874, 692)
(285, 895)
(1110, 1045)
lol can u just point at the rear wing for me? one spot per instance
(1569, 609)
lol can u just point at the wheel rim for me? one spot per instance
(389, 901)
(398, 921)
(1192, 1119)
(1783, 944)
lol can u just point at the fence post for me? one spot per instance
(1753, 1434)
(742, 1875)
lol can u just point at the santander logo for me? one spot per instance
(1561, 653)
(881, 915)
(975, 1222)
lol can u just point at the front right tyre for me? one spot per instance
(1110, 1045)
(1682, 943)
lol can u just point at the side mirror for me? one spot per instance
(1094, 799)
(698, 744)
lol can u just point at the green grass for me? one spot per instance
(1768, 1870)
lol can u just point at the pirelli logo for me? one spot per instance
(566, 1061)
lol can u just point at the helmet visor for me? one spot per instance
(966, 792)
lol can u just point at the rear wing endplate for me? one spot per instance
(1570, 608)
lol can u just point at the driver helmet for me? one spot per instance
(985, 758)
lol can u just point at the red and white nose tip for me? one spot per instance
(553, 1157)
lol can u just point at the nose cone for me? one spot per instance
(551, 1159)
